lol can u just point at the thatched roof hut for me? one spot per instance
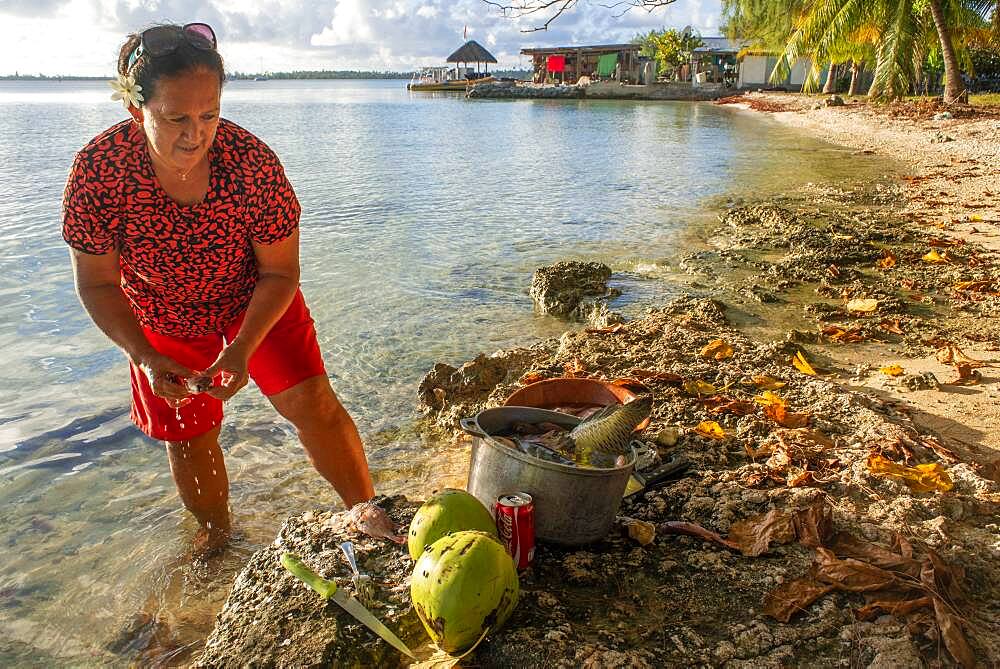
(471, 52)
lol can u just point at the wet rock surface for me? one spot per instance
(576, 291)
(272, 619)
(447, 394)
(861, 273)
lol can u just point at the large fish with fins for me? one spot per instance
(608, 432)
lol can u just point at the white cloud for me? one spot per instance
(348, 26)
(304, 34)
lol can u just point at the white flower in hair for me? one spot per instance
(126, 90)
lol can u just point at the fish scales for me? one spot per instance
(610, 430)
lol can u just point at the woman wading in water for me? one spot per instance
(185, 248)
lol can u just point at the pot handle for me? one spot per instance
(472, 427)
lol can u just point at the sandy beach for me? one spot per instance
(950, 188)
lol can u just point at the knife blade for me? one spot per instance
(329, 590)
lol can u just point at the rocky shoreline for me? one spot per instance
(797, 483)
(598, 90)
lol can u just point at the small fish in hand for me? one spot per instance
(198, 384)
(369, 518)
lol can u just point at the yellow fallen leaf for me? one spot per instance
(710, 429)
(922, 478)
(862, 305)
(767, 398)
(975, 217)
(888, 260)
(776, 408)
(934, 257)
(698, 387)
(974, 286)
(802, 364)
(717, 349)
(891, 370)
(765, 382)
(641, 531)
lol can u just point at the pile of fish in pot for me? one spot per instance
(602, 439)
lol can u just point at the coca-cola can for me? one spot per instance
(515, 515)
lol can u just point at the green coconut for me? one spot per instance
(463, 586)
(450, 510)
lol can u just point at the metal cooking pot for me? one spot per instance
(573, 505)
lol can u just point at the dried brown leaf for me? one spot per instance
(813, 524)
(967, 376)
(640, 531)
(840, 335)
(949, 354)
(950, 626)
(698, 387)
(934, 257)
(755, 535)
(850, 574)
(848, 546)
(575, 368)
(776, 409)
(765, 382)
(531, 377)
(892, 325)
(794, 596)
(801, 364)
(710, 429)
(887, 261)
(796, 477)
(900, 608)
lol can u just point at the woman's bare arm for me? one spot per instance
(98, 283)
(277, 281)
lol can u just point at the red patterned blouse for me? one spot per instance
(186, 271)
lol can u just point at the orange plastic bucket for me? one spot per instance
(574, 393)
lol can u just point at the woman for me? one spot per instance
(185, 249)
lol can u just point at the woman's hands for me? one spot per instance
(231, 368)
(177, 384)
(166, 377)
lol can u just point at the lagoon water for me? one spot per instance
(424, 216)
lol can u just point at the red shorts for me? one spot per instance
(288, 355)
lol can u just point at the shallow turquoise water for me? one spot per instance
(424, 216)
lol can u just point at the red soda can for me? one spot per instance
(515, 515)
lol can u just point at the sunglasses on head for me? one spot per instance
(162, 40)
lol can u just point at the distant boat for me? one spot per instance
(444, 78)
(262, 78)
(458, 78)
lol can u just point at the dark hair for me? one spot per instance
(148, 70)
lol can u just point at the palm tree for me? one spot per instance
(954, 89)
(893, 34)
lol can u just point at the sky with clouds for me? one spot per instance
(82, 37)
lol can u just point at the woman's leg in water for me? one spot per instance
(329, 436)
(200, 475)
